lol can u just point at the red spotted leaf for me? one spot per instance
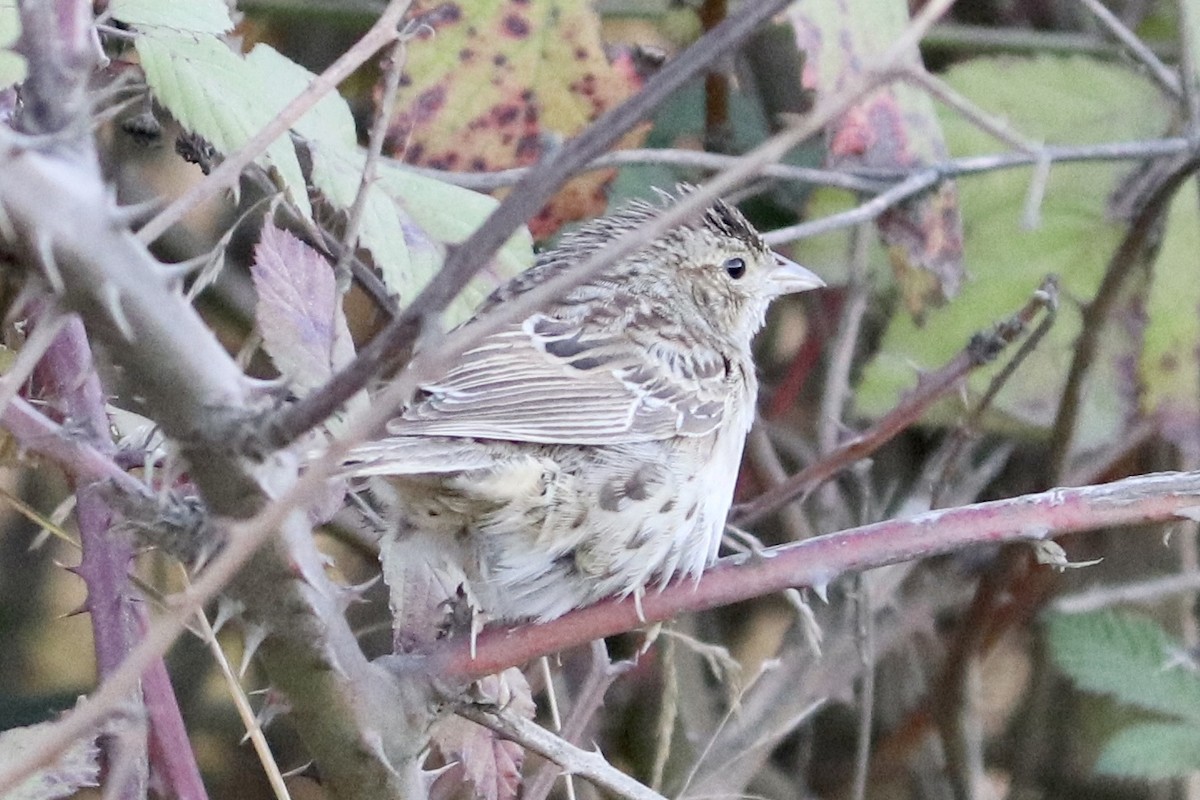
(894, 127)
(497, 81)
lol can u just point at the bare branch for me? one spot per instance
(394, 345)
(1166, 180)
(1164, 497)
(532, 736)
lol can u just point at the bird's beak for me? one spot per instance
(788, 277)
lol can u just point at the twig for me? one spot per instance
(718, 131)
(375, 140)
(83, 462)
(668, 712)
(1099, 464)
(769, 469)
(532, 736)
(1162, 74)
(226, 175)
(980, 39)
(845, 342)
(587, 702)
(1095, 313)
(166, 349)
(1164, 497)
(284, 514)
(691, 159)
(253, 729)
(988, 123)
(922, 178)
(68, 375)
(1141, 592)
(953, 448)
(61, 49)
(31, 352)
(913, 185)
(393, 346)
(865, 617)
(980, 350)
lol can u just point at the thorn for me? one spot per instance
(476, 627)
(7, 229)
(373, 743)
(175, 274)
(651, 636)
(49, 265)
(810, 629)
(30, 292)
(204, 554)
(1189, 512)
(274, 707)
(821, 589)
(355, 593)
(227, 609)
(40, 539)
(111, 301)
(291, 773)
(82, 608)
(252, 637)
(429, 776)
(136, 213)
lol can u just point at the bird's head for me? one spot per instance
(716, 266)
(724, 266)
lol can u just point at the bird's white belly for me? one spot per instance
(601, 522)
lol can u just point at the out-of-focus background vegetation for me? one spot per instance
(992, 674)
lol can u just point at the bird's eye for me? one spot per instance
(736, 267)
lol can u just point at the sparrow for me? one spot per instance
(591, 449)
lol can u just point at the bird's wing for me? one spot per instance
(554, 380)
(419, 455)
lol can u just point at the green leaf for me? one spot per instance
(449, 214)
(826, 254)
(221, 96)
(1127, 657)
(330, 120)
(408, 222)
(12, 65)
(337, 174)
(197, 16)
(1169, 368)
(1152, 750)
(1056, 100)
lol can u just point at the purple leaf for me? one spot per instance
(299, 309)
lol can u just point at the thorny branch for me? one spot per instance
(590, 765)
(910, 184)
(1164, 497)
(147, 334)
(393, 346)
